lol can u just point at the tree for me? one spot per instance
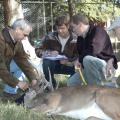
(6, 12)
(71, 7)
(12, 11)
(100, 10)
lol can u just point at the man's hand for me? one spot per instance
(23, 85)
(63, 62)
(77, 64)
(50, 53)
(34, 82)
(109, 68)
(54, 53)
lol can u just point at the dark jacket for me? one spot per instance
(96, 43)
(51, 42)
(9, 51)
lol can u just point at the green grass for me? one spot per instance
(62, 79)
(11, 111)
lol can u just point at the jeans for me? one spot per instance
(92, 72)
(55, 68)
(16, 71)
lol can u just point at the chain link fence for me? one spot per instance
(1, 16)
(39, 14)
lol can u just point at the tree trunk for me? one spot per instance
(12, 11)
(6, 12)
(71, 7)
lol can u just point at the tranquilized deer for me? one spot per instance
(86, 102)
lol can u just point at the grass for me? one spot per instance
(62, 79)
(10, 111)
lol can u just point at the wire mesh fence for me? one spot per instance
(1, 16)
(39, 14)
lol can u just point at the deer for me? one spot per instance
(79, 102)
(86, 102)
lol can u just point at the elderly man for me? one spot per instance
(96, 56)
(16, 71)
(12, 48)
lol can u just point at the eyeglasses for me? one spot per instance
(26, 35)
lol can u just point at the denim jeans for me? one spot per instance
(16, 71)
(55, 68)
(92, 72)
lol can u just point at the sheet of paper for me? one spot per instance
(58, 57)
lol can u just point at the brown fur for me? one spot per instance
(73, 98)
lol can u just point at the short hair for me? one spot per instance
(63, 19)
(21, 23)
(80, 17)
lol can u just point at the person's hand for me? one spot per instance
(50, 53)
(109, 67)
(63, 62)
(54, 53)
(46, 53)
(23, 85)
(34, 82)
(77, 64)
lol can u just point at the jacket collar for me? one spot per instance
(70, 38)
(90, 29)
(6, 35)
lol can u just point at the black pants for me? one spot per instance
(56, 68)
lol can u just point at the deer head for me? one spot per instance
(38, 89)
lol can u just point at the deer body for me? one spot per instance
(80, 102)
(86, 112)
